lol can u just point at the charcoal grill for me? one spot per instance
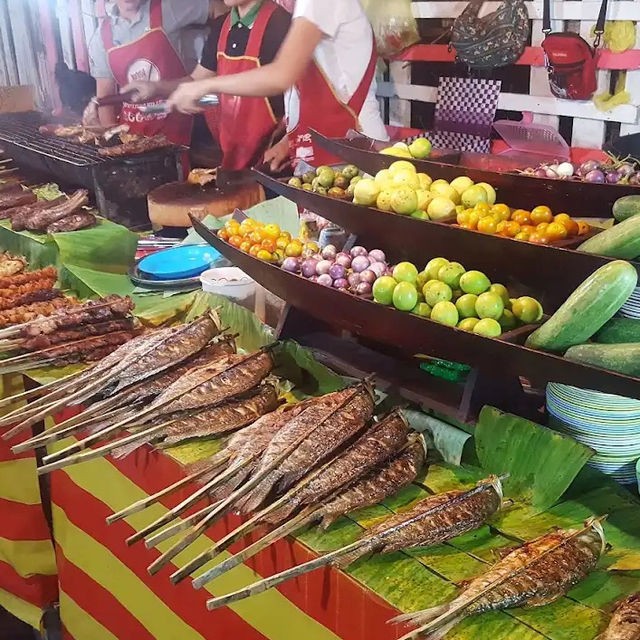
(120, 185)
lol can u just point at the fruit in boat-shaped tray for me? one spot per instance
(403, 191)
(443, 291)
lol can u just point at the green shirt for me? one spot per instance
(249, 19)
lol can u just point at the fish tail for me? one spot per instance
(356, 554)
(433, 623)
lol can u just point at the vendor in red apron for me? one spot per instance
(328, 63)
(147, 40)
(247, 38)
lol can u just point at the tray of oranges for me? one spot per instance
(539, 226)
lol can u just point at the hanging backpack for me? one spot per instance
(570, 59)
(497, 40)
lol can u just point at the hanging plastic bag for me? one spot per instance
(394, 26)
(620, 35)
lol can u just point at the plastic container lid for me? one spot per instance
(533, 138)
(187, 261)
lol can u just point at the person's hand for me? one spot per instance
(141, 91)
(91, 116)
(186, 97)
(278, 157)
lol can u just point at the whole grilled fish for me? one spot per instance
(379, 484)
(625, 622)
(225, 418)
(176, 347)
(538, 573)
(318, 430)
(211, 385)
(380, 442)
(433, 520)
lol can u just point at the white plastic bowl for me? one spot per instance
(229, 282)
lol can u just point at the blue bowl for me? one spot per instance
(188, 261)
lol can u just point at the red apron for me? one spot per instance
(243, 126)
(151, 57)
(322, 110)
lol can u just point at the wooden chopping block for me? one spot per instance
(171, 204)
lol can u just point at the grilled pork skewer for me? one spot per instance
(40, 220)
(21, 213)
(625, 622)
(536, 574)
(314, 446)
(302, 426)
(432, 521)
(207, 386)
(380, 443)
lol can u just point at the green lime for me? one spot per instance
(383, 289)
(445, 313)
(468, 324)
(435, 291)
(451, 274)
(474, 282)
(405, 272)
(489, 328)
(466, 305)
(405, 296)
(527, 310)
(489, 305)
(422, 309)
(433, 267)
(508, 321)
(502, 291)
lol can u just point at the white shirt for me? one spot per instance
(343, 55)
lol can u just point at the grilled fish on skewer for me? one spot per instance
(538, 573)
(625, 622)
(391, 434)
(433, 521)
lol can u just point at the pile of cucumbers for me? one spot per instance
(585, 330)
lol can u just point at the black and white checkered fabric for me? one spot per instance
(465, 111)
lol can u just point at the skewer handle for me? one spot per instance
(177, 528)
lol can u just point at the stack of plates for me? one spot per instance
(608, 424)
(631, 308)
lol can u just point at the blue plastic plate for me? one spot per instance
(188, 261)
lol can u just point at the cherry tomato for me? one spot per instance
(512, 229)
(312, 246)
(544, 239)
(483, 207)
(523, 236)
(541, 214)
(272, 232)
(245, 246)
(247, 226)
(233, 227)
(264, 255)
(521, 217)
(527, 228)
(278, 255)
(293, 249)
(254, 250)
(487, 225)
(255, 237)
(223, 234)
(235, 241)
(462, 218)
(268, 245)
(534, 237)
(556, 231)
(501, 229)
(502, 211)
(572, 228)
(562, 218)
(286, 235)
(542, 227)
(282, 242)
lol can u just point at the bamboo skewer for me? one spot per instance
(179, 527)
(143, 504)
(185, 504)
(305, 517)
(100, 451)
(268, 583)
(32, 393)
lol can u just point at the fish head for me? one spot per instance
(495, 483)
(596, 524)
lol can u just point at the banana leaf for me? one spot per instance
(108, 247)
(541, 463)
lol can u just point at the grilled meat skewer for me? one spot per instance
(23, 211)
(73, 222)
(48, 273)
(40, 220)
(16, 198)
(538, 573)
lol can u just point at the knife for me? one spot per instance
(161, 107)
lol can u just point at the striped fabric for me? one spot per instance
(107, 593)
(28, 580)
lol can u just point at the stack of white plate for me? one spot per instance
(631, 308)
(609, 424)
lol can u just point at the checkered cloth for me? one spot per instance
(465, 111)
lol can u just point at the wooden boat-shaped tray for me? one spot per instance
(412, 334)
(532, 265)
(578, 199)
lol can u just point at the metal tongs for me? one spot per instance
(210, 100)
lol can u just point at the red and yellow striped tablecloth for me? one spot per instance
(28, 576)
(106, 592)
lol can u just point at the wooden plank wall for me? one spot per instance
(582, 124)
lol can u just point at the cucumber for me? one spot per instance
(622, 358)
(619, 331)
(587, 309)
(621, 241)
(626, 207)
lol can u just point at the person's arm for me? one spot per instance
(144, 91)
(271, 80)
(107, 115)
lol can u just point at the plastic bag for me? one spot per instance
(620, 35)
(394, 26)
